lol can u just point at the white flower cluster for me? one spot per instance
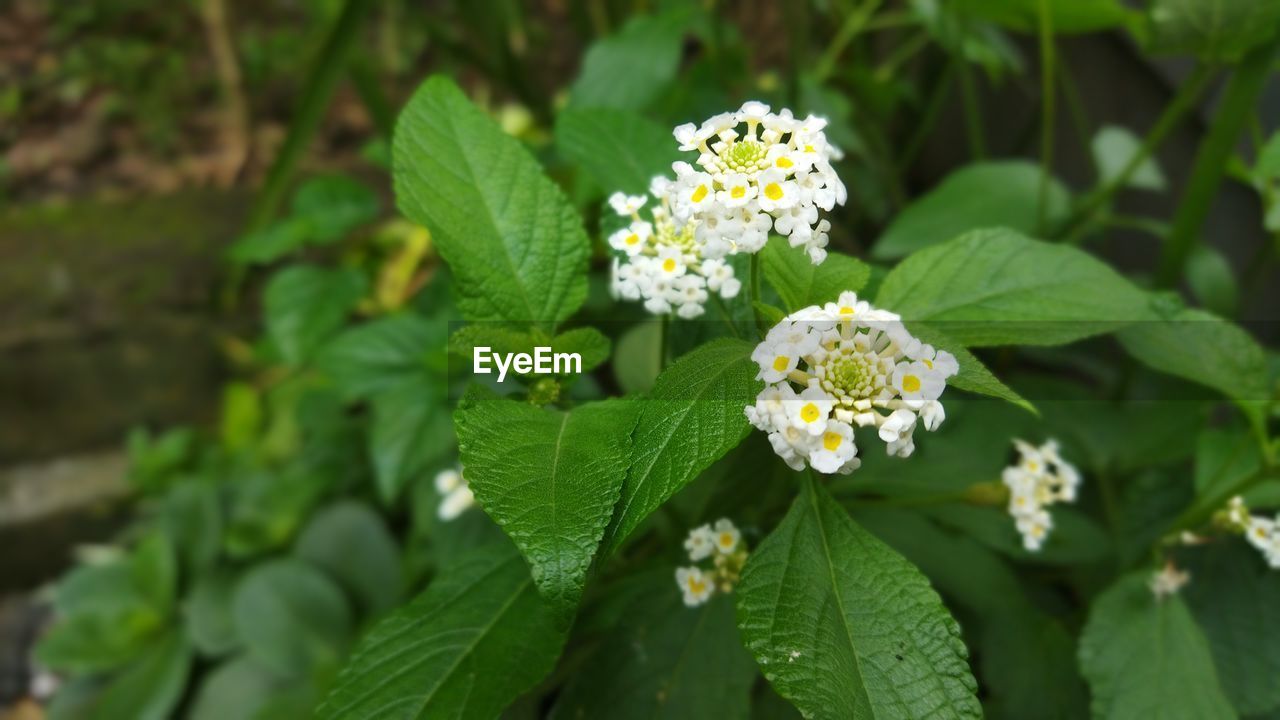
(664, 265)
(1039, 479)
(774, 172)
(1261, 532)
(457, 494)
(855, 366)
(721, 542)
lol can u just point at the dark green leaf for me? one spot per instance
(208, 614)
(621, 151)
(351, 542)
(843, 626)
(149, 688)
(334, 205)
(1215, 30)
(629, 69)
(1066, 16)
(380, 355)
(305, 305)
(411, 431)
(800, 283)
(291, 617)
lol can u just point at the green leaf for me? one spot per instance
(1214, 30)
(1236, 599)
(292, 618)
(475, 640)
(1147, 658)
(1203, 348)
(380, 355)
(271, 242)
(620, 150)
(664, 660)
(1066, 16)
(638, 358)
(516, 246)
(1113, 146)
(629, 69)
(1212, 280)
(149, 688)
(691, 419)
(192, 518)
(411, 431)
(800, 283)
(351, 542)
(996, 287)
(549, 479)
(334, 205)
(973, 377)
(305, 305)
(208, 613)
(982, 195)
(843, 626)
(235, 690)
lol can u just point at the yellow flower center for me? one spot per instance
(696, 584)
(810, 413)
(669, 265)
(738, 191)
(700, 193)
(846, 310)
(928, 363)
(911, 384)
(784, 162)
(632, 239)
(781, 362)
(773, 191)
(831, 441)
(726, 539)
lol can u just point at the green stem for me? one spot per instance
(855, 23)
(1047, 112)
(932, 111)
(1201, 512)
(1238, 102)
(973, 123)
(1173, 114)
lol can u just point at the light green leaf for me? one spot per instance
(334, 205)
(550, 479)
(235, 690)
(664, 660)
(997, 287)
(376, 356)
(1236, 599)
(1066, 16)
(693, 416)
(800, 283)
(305, 305)
(208, 613)
(1203, 348)
(629, 69)
(291, 617)
(620, 150)
(150, 688)
(352, 544)
(1215, 30)
(1147, 658)
(982, 195)
(1212, 280)
(475, 640)
(843, 626)
(1113, 146)
(516, 246)
(411, 431)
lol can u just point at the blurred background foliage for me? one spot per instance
(199, 249)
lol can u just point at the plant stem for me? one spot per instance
(1200, 513)
(1173, 113)
(1047, 61)
(849, 29)
(937, 98)
(1238, 102)
(973, 123)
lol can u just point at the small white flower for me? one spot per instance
(624, 204)
(1040, 478)
(835, 451)
(447, 480)
(632, 239)
(695, 584)
(810, 411)
(458, 501)
(776, 361)
(726, 536)
(776, 191)
(700, 543)
(1168, 581)
(737, 192)
(1034, 527)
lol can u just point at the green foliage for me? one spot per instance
(550, 480)
(800, 283)
(1217, 30)
(983, 195)
(1143, 657)
(996, 287)
(842, 626)
(617, 149)
(325, 209)
(1065, 16)
(516, 247)
(352, 544)
(628, 70)
(477, 638)
(1113, 148)
(701, 395)
(306, 305)
(292, 618)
